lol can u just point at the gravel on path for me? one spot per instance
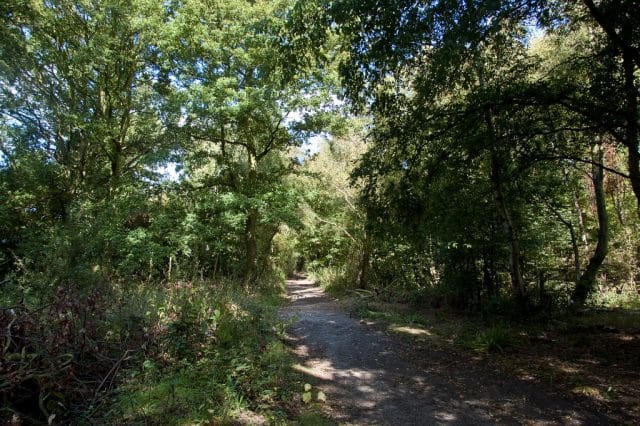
(371, 377)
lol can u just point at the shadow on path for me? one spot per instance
(369, 379)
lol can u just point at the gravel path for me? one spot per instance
(371, 377)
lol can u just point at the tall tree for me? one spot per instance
(439, 37)
(240, 97)
(468, 86)
(78, 82)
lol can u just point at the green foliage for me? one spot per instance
(616, 298)
(603, 319)
(494, 339)
(307, 395)
(285, 248)
(472, 183)
(215, 353)
(369, 308)
(78, 92)
(333, 240)
(96, 98)
(333, 279)
(48, 353)
(469, 189)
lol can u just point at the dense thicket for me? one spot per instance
(503, 154)
(144, 148)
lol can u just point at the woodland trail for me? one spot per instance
(371, 377)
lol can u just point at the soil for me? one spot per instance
(370, 376)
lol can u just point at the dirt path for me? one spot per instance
(371, 377)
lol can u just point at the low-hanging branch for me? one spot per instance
(585, 161)
(341, 228)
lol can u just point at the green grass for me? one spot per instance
(211, 390)
(620, 319)
(217, 356)
(463, 333)
(387, 314)
(191, 394)
(334, 280)
(497, 338)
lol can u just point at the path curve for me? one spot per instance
(371, 377)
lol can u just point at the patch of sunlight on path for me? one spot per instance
(370, 377)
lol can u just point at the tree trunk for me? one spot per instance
(363, 269)
(114, 177)
(576, 254)
(488, 275)
(631, 94)
(265, 256)
(517, 282)
(574, 242)
(580, 217)
(588, 278)
(622, 41)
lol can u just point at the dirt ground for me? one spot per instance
(370, 376)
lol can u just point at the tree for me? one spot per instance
(445, 35)
(334, 234)
(416, 59)
(239, 97)
(79, 84)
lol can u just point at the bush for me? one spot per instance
(215, 351)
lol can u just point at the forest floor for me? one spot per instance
(380, 372)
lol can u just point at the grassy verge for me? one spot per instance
(176, 353)
(217, 356)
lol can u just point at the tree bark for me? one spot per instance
(265, 253)
(621, 41)
(363, 269)
(588, 278)
(631, 94)
(115, 156)
(580, 217)
(517, 281)
(576, 253)
(574, 242)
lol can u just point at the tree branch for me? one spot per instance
(609, 29)
(272, 138)
(336, 225)
(584, 161)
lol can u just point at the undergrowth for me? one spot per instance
(497, 338)
(177, 353)
(371, 311)
(611, 299)
(333, 280)
(218, 353)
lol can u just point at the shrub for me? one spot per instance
(216, 350)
